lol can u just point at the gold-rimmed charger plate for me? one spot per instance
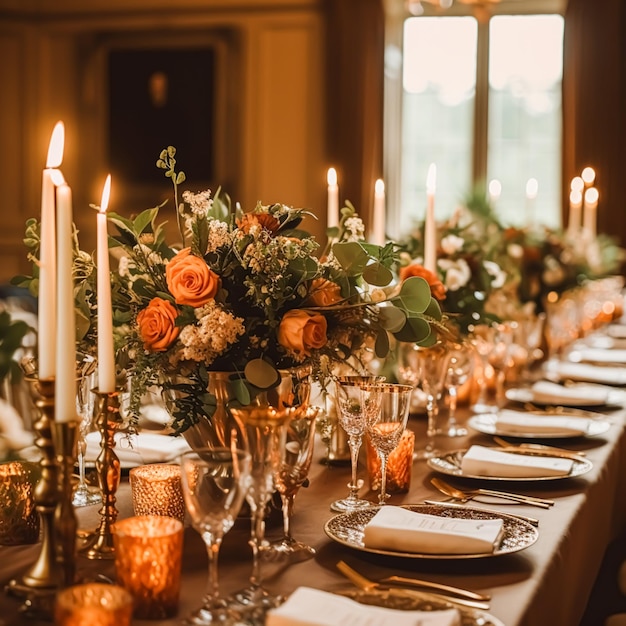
(487, 423)
(450, 463)
(347, 529)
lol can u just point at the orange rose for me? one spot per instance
(301, 331)
(190, 280)
(324, 293)
(437, 288)
(157, 325)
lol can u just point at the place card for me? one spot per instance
(483, 461)
(313, 607)
(516, 422)
(396, 528)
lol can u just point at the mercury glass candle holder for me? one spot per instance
(156, 490)
(19, 520)
(148, 561)
(399, 465)
(93, 604)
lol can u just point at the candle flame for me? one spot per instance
(575, 197)
(106, 193)
(379, 187)
(55, 149)
(591, 196)
(57, 177)
(495, 188)
(577, 184)
(431, 179)
(532, 187)
(588, 175)
(331, 177)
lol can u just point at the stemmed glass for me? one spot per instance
(387, 427)
(214, 482)
(261, 429)
(459, 365)
(85, 494)
(294, 452)
(431, 364)
(482, 339)
(358, 402)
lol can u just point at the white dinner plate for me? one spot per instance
(487, 423)
(450, 463)
(525, 395)
(347, 529)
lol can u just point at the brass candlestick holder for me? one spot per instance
(40, 582)
(108, 470)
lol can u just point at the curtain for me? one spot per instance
(355, 54)
(594, 105)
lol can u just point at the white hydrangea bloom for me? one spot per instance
(457, 273)
(451, 244)
(355, 229)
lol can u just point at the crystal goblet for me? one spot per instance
(387, 427)
(214, 482)
(459, 365)
(358, 403)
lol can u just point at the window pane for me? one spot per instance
(439, 83)
(525, 72)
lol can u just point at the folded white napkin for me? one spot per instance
(587, 372)
(617, 330)
(517, 422)
(402, 530)
(312, 607)
(482, 461)
(139, 449)
(597, 355)
(546, 392)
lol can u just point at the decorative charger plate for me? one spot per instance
(525, 395)
(347, 529)
(450, 463)
(487, 423)
(418, 601)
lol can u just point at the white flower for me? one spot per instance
(200, 203)
(495, 271)
(451, 244)
(515, 251)
(456, 273)
(219, 235)
(355, 229)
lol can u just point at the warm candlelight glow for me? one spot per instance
(57, 177)
(57, 143)
(331, 176)
(333, 199)
(577, 184)
(106, 193)
(575, 198)
(379, 187)
(431, 180)
(590, 205)
(588, 175)
(575, 206)
(378, 223)
(591, 197)
(532, 187)
(495, 189)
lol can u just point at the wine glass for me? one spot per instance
(85, 494)
(214, 482)
(386, 428)
(459, 365)
(295, 453)
(261, 429)
(431, 364)
(358, 402)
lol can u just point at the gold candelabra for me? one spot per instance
(108, 420)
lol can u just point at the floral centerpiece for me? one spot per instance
(246, 293)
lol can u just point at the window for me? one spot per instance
(479, 96)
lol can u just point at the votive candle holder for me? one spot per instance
(399, 465)
(156, 490)
(148, 561)
(93, 604)
(19, 520)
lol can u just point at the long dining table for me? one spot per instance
(549, 582)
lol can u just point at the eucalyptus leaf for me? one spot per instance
(352, 257)
(261, 374)
(381, 347)
(434, 310)
(377, 274)
(241, 391)
(415, 330)
(391, 318)
(414, 296)
(431, 340)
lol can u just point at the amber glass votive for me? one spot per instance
(93, 604)
(156, 490)
(19, 521)
(148, 559)
(399, 464)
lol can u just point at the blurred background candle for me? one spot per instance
(106, 355)
(588, 175)
(430, 226)
(65, 378)
(333, 198)
(590, 211)
(47, 258)
(575, 208)
(532, 188)
(494, 191)
(378, 222)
